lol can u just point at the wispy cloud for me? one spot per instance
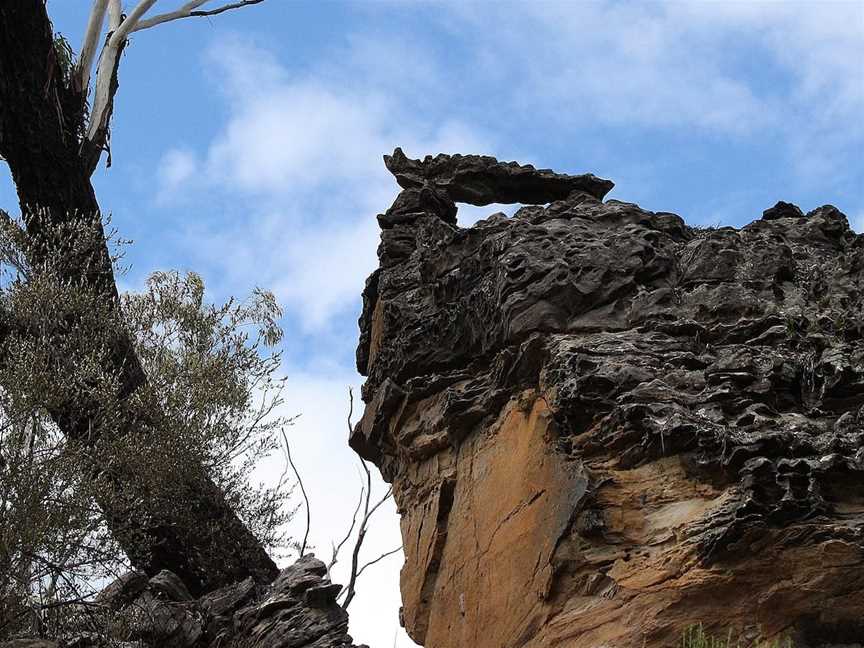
(177, 167)
(618, 63)
(300, 156)
(788, 74)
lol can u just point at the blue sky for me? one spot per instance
(248, 147)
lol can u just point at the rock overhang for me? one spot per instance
(736, 354)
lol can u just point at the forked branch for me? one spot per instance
(347, 594)
(106, 84)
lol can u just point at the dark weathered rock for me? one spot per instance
(613, 425)
(782, 210)
(123, 590)
(169, 586)
(298, 610)
(481, 180)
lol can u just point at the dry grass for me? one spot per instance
(696, 637)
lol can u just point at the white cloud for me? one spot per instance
(857, 223)
(307, 151)
(177, 167)
(614, 63)
(299, 135)
(325, 268)
(784, 73)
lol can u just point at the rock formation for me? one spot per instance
(603, 426)
(298, 610)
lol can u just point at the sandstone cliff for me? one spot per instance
(603, 426)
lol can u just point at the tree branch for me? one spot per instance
(368, 511)
(302, 490)
(89, 46)
(115, 14)
(106, 84)
(338, 548)
(386, 554)
(130, 21)
(189, 11)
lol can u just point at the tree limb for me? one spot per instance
(368, 511)
(302, 490)
(115, 14)
(130, 21)
(338, 548)
(386, 554)
(106, 83)
(89, 46)
(189, 11)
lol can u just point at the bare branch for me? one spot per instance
(338, 548)
(386, 554)
(189, 11)
(302, 490)
(109, 60)
(129, 23)
(350, 589)
(103, 105)
(380, 502)
(228, 7)
(106, 84)
(368, 511)
(182, 12)
(89, 46)
(115, 14)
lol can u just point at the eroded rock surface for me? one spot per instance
(603, 426)
(298, 610)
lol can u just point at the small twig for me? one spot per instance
(338, 548)
(302, 490)
(189, 10)
(386, 554)
(228, 7)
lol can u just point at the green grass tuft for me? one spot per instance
(696, 637)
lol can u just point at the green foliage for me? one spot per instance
(65, 57)
(696, 637)
(211, 400)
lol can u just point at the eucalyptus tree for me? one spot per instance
(55, 117)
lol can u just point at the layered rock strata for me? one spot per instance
(603, 426)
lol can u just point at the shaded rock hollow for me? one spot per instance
(604, 426)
